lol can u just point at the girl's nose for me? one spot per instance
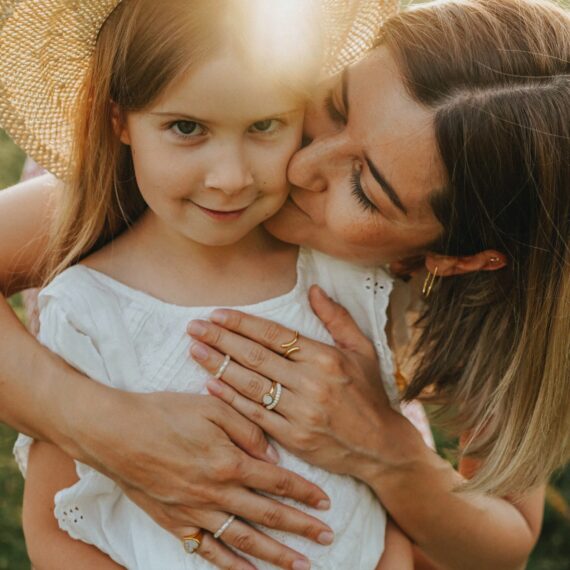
(230, 173)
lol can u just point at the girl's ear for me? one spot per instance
(488, 260)
(120, 124)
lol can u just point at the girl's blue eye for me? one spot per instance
(188, 129)
(266, 126)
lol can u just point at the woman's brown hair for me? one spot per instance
(495, 346)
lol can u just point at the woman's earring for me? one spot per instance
(429, 282)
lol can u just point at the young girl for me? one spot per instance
(182, 142)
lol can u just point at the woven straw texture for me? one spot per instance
(45, 48)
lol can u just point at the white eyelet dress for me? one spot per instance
(129, 340)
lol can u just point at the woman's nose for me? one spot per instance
(311, 166)
(230, 173)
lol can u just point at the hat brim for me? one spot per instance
(46, 47)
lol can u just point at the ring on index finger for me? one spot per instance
(291, 346)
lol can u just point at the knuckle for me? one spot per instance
(255, 388)
(224, 468)
(272, 333)
(272, 518)
(329, 361)
(301, 441)
(206, 551)
(284, 485)
(257, 414)
(254, 357)
(244, 541)
(256, 438)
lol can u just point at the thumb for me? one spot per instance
(337, 320)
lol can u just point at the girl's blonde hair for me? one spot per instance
(141, 49)
(495, 346)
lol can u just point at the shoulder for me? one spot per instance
(78, 297)
(339, 278)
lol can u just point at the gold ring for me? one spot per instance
(291, 351)
(192, 542)
(287, 345)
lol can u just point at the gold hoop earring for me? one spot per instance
(430, 282)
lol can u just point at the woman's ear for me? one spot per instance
(120, 124)
(488, 260)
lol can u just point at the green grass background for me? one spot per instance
(552, 552)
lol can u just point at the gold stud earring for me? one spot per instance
(429, 282)
(494, 260)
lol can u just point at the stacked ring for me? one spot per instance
(271, 399)
(192, 542)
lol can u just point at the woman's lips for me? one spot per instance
(221, 215)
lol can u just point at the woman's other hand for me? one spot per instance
(189, 461)
(333, 411)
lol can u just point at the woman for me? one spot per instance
(477, 125)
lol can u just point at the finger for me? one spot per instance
(245, 433)
(246, 539)
(221, 556)
(265, 333)
(246, 352)
(337, 320)
(248, 383)
(271, 513)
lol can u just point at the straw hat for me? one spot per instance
(46, 46)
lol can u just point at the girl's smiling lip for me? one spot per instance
(220, 214)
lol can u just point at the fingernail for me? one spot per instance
(272, 454)
(301, 565)
(214, 387)
(325, 538)
(196, 328)
(324, 505)
(219, 317)
(199, 351)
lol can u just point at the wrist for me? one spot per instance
(83, 410)
(399, 456)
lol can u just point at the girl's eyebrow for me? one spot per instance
(194, 119)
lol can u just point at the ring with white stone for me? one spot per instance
(225, 526)
(271, 399)
(223, 367)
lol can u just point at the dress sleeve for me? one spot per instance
(66, 336)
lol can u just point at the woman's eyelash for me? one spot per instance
(359, 194)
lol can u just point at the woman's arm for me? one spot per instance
(201, 480)
(50, 548)
(334, 413)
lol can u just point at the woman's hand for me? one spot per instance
(177, 457)
(333, 406)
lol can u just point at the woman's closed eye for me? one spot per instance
(358, 192)
(334, 114)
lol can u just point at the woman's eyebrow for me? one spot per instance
(386, 187)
